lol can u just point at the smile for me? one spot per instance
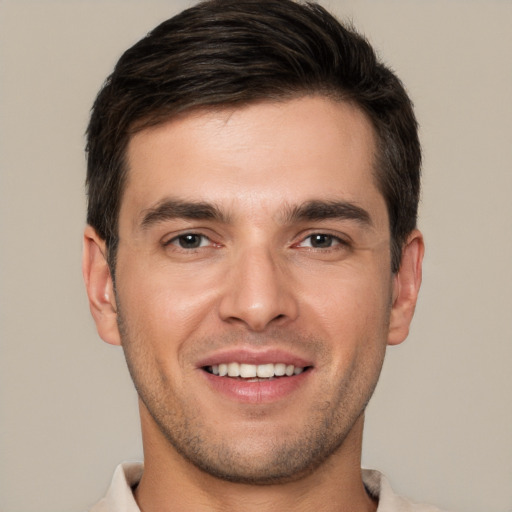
(252, 371)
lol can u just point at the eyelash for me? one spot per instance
(176, 241)
(333, 241)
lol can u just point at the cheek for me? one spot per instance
(351, 312)
(162, 305)
(347, 297)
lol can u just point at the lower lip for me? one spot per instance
(262, 391)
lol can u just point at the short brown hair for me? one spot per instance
(234, 52)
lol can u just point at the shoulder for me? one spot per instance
(378, 486)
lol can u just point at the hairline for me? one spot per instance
(155, 119)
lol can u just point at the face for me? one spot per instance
(254, 294)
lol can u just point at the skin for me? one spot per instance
(261, 274)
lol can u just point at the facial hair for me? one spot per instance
(284, 457)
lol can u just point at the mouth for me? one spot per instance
(255, 372)
(245, 375)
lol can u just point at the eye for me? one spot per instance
(190, 241)
(321, 241)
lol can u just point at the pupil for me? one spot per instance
(190, 241)
(321, 241)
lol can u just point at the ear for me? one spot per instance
(100, 287)
(406, 286)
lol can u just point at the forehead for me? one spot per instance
(260, 156)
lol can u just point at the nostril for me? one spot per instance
(279, 317)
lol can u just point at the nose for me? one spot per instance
(258, 292)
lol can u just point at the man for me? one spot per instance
(253, 181)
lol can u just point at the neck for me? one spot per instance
(170, 482)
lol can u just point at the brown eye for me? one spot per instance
(321, 241)
(190, 241)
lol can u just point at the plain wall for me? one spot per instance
(440, 423)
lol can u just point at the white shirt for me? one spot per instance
(119, 497)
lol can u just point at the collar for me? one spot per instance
(119, 497)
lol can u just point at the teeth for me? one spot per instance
(233, 370)
(265, 371)
(279, 369)
(250, 371)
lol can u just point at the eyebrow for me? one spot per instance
(315, 210)
(318, 210)
(169, 209)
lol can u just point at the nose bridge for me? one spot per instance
(258, 290)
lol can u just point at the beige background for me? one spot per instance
(440, 424)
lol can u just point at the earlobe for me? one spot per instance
(406, 286)
(99, 286)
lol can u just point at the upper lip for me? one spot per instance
(253, 356)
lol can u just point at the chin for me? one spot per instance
(257, 457)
